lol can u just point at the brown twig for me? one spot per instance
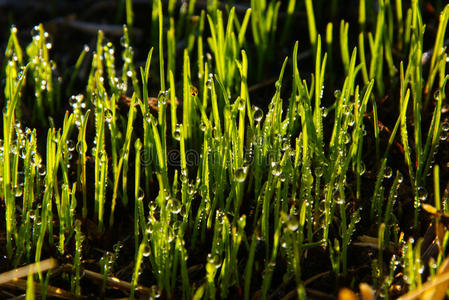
(113, 282)
(31, 268)
(21, 284)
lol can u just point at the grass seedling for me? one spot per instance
(225, 197)
(8, 157)
(124, 157)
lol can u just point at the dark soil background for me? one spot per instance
(62, 19)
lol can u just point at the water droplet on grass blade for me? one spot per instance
(337, 94)
(240, 174)
(318, 171)
(108, 116)
(346, 138)
(436, 95)
(23, 152)
(149, 228)
(285, 144)
(258, 114)
(140, 194)
(213, 261)
(162, 98)
(146, 251)
(124, 42)
(292, 223)
(70, 145)
(191, 190)
(18, 190)
(324, 112)
(351, 119)
(445, 126)
(276, 168)
(13, 149)
(388, 172)
(174, 206)
(177, 133)
(240, 102)
(151, 119)
(422, 193)
(337, 197)
(35, 31)
(155, 292)
(400, 177)
(278, 85)
(361, 168)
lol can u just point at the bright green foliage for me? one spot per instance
(202, 167)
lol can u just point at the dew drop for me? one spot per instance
(400, 177)
(388, 172)
(35, 31)
(258, 114)
(140, 194)
(123, 42)
(162, 97)
(146, 251)
(337, 94)
(177, 133)
(292, 223)
(156, 293)
(445, 126)
(318, 171)
(351, 119)
(324, 112)
(337, 198)
(240, 174)
(436, 95)
(422, 193)
(42, 172)
(18, 190)
(276, 169)
(174, 206)
(108, 116)
(285, 144)
(346, 138)
(70, 145)
(361, 168)
(23, 153)
(240, 102)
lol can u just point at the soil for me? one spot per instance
(59, 17)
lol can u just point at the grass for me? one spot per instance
(176, 166)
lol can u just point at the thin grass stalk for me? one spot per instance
(8, 121)
(312, 26)
(82, 149)
(438, 53)
(161, 44)
(76, 69)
